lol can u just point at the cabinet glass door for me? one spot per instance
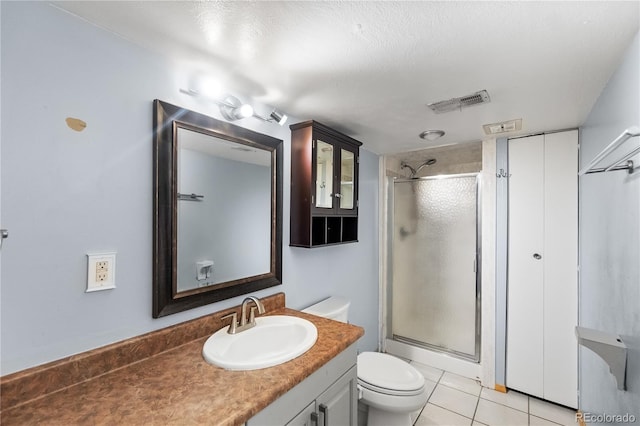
(324, 175)
(347, 173)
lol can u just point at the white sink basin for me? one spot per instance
(274, 340)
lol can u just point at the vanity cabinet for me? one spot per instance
(338, 405)
(306, 417)
(328, 397)
(324, 186)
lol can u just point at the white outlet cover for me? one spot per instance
(92, 260)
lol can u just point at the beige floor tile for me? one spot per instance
(433, 415)
(511, 399)
(414, 416)
(454, 397)
(550, 411)
(430, 386)
(454, 400)
(429, 373)
(461, 383)
(537, 421)
(494, 414)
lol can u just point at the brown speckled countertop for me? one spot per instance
(178, 387)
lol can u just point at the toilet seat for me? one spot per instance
(388, 375)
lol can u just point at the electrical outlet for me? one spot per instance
(101, 271)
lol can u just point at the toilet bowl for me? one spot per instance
(390, 387)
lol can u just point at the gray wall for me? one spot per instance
(610, 244)
(66, 193)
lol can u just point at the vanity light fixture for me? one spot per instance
(233, 109)
(432, 135)
(278, 117)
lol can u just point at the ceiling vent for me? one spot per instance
(504, 127)
(481, 97)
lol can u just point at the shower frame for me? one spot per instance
(387, 288)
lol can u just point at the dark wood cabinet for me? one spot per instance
(324, 186)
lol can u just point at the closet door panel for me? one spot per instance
(525, 292)
(560, 259)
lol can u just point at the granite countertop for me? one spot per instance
(178, 387)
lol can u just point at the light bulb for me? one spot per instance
(210, 88)
(244, 110)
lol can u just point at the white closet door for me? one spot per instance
(542, 353)
(525, 291)
(560, 259)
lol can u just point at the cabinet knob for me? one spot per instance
(536, 256)
(338, 195)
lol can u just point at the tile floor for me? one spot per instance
(455, 400)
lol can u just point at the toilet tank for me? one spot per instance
(334, 307)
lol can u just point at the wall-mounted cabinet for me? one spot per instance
(324, 186)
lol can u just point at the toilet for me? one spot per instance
(391, 388)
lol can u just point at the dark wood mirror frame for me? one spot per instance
(167, 119)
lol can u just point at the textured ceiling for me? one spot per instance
(370, 68)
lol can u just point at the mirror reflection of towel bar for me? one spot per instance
(190, 197)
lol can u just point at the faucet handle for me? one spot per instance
(234, 322)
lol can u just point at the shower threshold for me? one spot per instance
(436, 359)
(460, 355)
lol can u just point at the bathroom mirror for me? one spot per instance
(217, 210)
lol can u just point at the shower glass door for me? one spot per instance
(434, 290)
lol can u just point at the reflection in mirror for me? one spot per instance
(217, 210)
(324, 175)
(224, 210)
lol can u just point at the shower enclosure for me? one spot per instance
(434, 292)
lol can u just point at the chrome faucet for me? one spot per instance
(245, 323)
(252, 316)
